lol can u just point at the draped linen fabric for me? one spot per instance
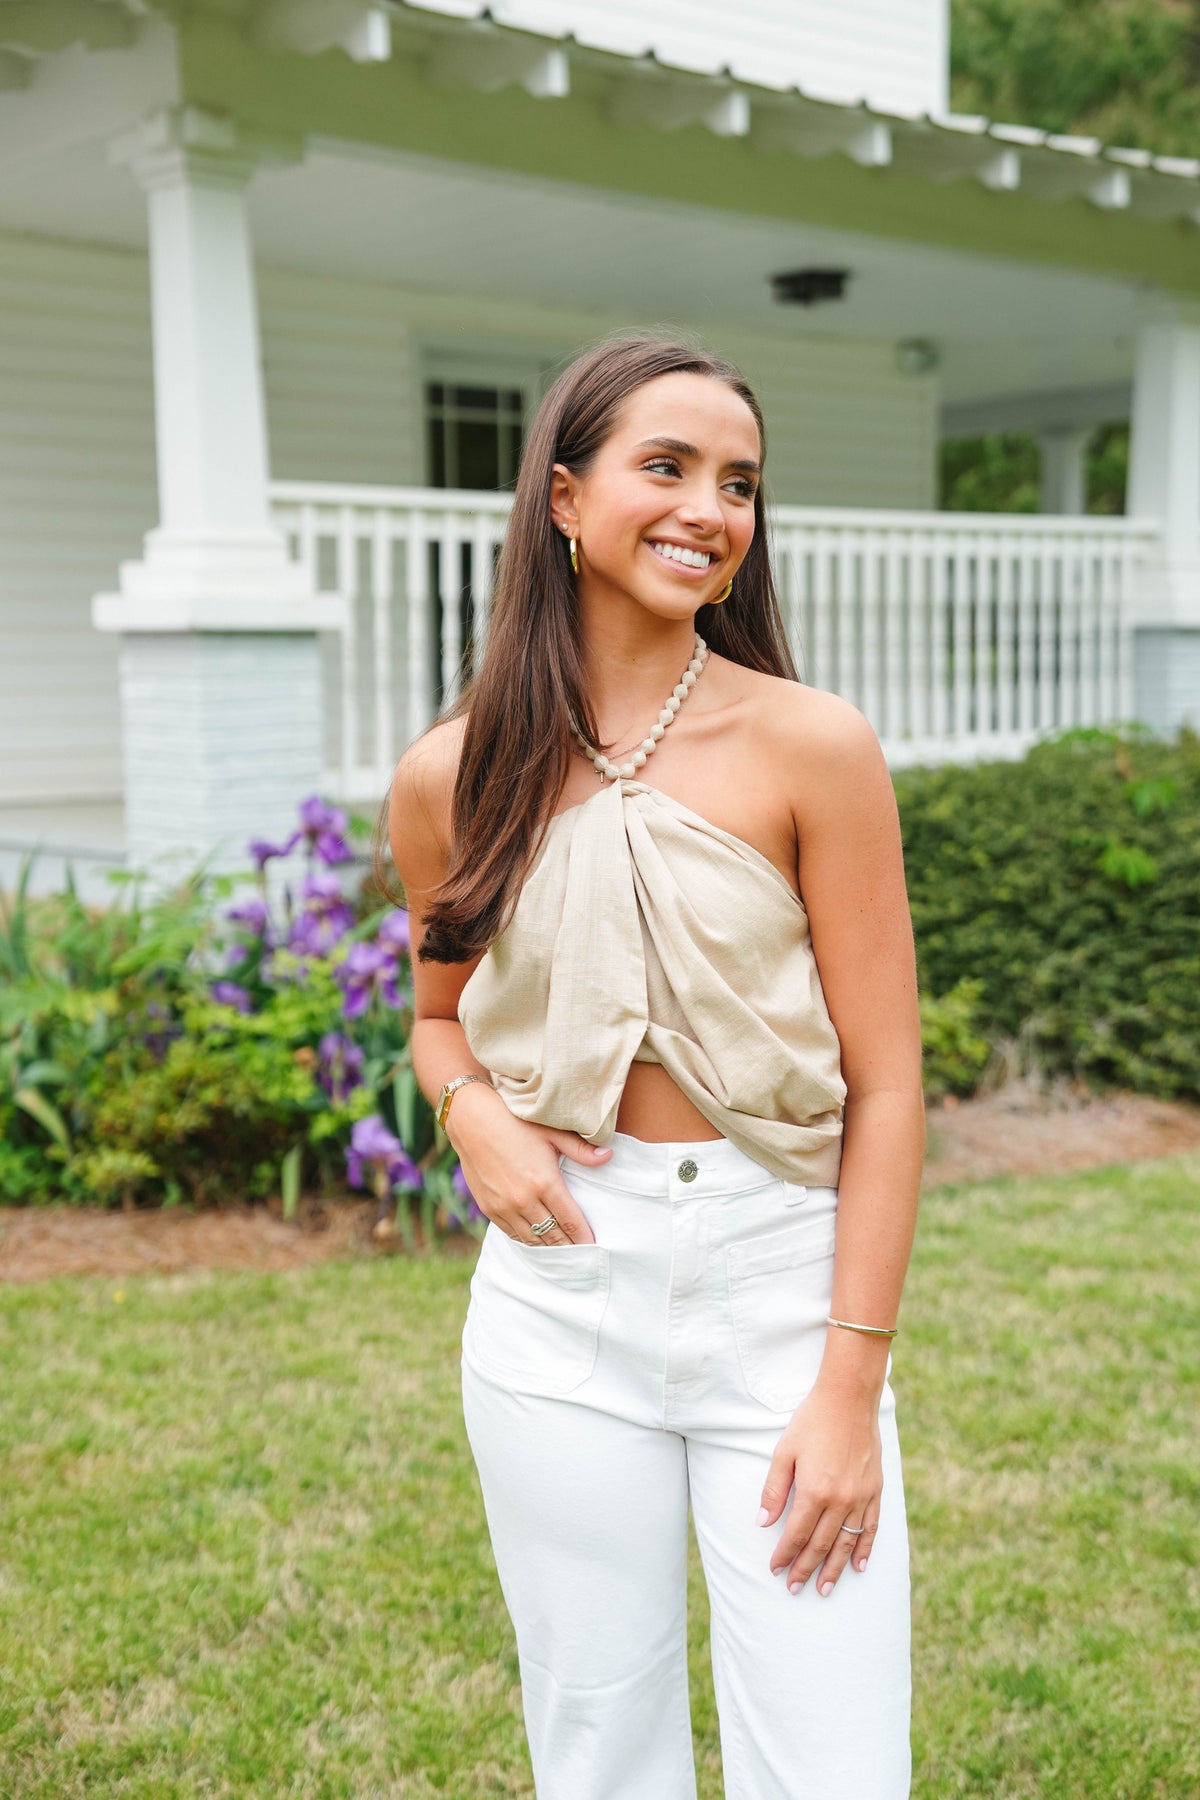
(643, 933)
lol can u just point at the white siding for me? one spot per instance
(844, 427)
(343, 372)
(892, 53)
(343, 363)
(77, 492)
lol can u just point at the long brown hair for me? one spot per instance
(529, 685)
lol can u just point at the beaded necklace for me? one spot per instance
(683, 687)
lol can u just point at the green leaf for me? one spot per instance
(404, 1224)
(44, 1074)
(404, 1097)
(289, 1180)
(47, 1116)
(1128, 864)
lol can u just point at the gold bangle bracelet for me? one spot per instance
(867, 1330)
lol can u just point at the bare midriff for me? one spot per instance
(654, 1108)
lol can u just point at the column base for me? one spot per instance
(1166, 677)
(223, 735)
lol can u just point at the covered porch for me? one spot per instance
(333, 232)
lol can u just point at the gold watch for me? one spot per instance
(447, 1094)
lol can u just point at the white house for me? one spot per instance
(280, 281)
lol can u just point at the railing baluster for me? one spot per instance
(980, 563)
(918, 562)
(1124, 630)
(347, 583)
(420, 700)
(482, 539)
(1000, 662)
(1048, 637)
(820, 672)
(381, 601)
(939, 636)
(845, 620)
(1106, 644)
(1092, 601)
(1069, 633)
(896, 598)
(870, 630)
(1026, 625)
(953, 633)
(961, 620)
(450, 583)
(788, 577)
(308, 542)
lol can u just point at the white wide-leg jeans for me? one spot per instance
(605, 1386)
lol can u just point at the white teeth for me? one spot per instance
(692, 559)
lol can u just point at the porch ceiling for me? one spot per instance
(1001, 327)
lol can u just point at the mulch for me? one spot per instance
(1021, 1129)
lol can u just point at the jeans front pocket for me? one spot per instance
(533, 1322)
(779, 1293)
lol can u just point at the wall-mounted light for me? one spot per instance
(917, 356)
(804, 287)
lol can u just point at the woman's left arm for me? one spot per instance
(851, 872)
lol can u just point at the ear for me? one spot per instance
(564, 500)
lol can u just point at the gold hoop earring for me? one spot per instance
(717, 601)
(574, 555)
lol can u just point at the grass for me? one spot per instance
(242, 1551)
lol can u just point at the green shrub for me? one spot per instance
(954, 1051)
(1067, 886)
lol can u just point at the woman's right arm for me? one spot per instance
(511, 1164)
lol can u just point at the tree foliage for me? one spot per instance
(1125, 71)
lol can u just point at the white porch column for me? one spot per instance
(1164, 484)
(220, 680)
(1063, 480)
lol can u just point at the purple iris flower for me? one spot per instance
(394, 931)
(325, 917)
(250, 912)
(339, 1070)
(373, 1147)
(228, 993)
(262, 850)
(158, 1041)
(366, 969)
(324, 826)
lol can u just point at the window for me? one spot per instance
(473, 434)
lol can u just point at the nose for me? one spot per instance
(699, 508)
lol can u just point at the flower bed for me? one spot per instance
(240, 1036)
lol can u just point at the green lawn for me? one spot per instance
(242, 1550)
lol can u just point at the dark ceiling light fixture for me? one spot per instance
(804, 287)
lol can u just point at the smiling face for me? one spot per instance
(665, 514)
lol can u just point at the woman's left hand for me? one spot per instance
(831, 1454)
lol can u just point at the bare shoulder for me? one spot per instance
(797, 721)
(422, 793)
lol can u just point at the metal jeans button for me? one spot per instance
(687, 1170)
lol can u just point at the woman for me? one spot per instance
(666, 1005)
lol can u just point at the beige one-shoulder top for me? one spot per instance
(644, 934)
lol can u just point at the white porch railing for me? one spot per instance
(960, 635)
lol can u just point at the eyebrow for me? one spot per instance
(679, 448)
